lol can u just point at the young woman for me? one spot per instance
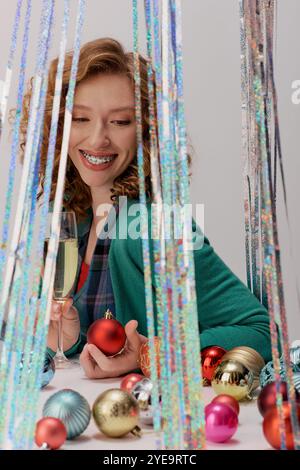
(102, 166)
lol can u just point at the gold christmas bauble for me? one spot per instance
(232, 378)
(250, 358)
(116, 413)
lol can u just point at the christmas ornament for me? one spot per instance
(271, 425)
(144, 357)
(72, 408)
(250, 359)
(295, 358)
(50, 433)
(267, 397)
(227, 400)
(267, 374)
(129, 381)
(48, 370)
(221, 422)
(297, 382)
(211, 357)
(116, 413)
(232, 378)
(142, 393)
(107, 334)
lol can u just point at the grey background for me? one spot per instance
(212, 98)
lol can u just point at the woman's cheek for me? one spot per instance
(72, 141)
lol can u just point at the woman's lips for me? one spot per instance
(95, 167)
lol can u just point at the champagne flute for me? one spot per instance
(65, 276)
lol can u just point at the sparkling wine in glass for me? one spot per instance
(65, 275)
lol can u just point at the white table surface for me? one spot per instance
(248, 436)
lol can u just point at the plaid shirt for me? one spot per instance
(96, 294)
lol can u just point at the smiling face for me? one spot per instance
(103, 133)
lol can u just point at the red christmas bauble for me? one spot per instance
(50, 431)
(211, 358)
(107, 334)
(267, 397)
(129, 381)
(144, 357)
(227, 400)
(271, 424)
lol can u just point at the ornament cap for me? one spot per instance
(108, 315)
(44, 446)
(136, 431)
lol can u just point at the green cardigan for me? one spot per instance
(229, 314)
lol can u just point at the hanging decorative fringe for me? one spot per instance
(261, 149)
(23, 318)
(8, 74)
(180, 384)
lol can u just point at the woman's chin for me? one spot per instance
(94, 181)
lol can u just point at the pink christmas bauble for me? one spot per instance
(221, 422)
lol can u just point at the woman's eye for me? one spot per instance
(79, 119)
(122, 123)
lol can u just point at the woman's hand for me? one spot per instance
(98, 366)
(70, 324)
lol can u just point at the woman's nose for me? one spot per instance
(99, 136)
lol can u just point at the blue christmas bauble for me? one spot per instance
(71, 408)
(48, 370)
(47, 373)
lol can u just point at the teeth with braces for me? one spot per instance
(96, 160)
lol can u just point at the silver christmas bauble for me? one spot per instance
(142, 392)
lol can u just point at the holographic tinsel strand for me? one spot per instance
(277, 144)
(34, 302)
(268, 16)
(157, 198)
(160, 245)
(144, 221)
(44, 304)
(33, 344)
(259, 106)
(251, 98)
(23, 327)
(15, 311)
(8, 74)
(185, 258)
(15, 142)
(172, 432)
(271, 102)
(178, 359)
(173, 262)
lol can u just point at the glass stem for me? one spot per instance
(60, 347)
